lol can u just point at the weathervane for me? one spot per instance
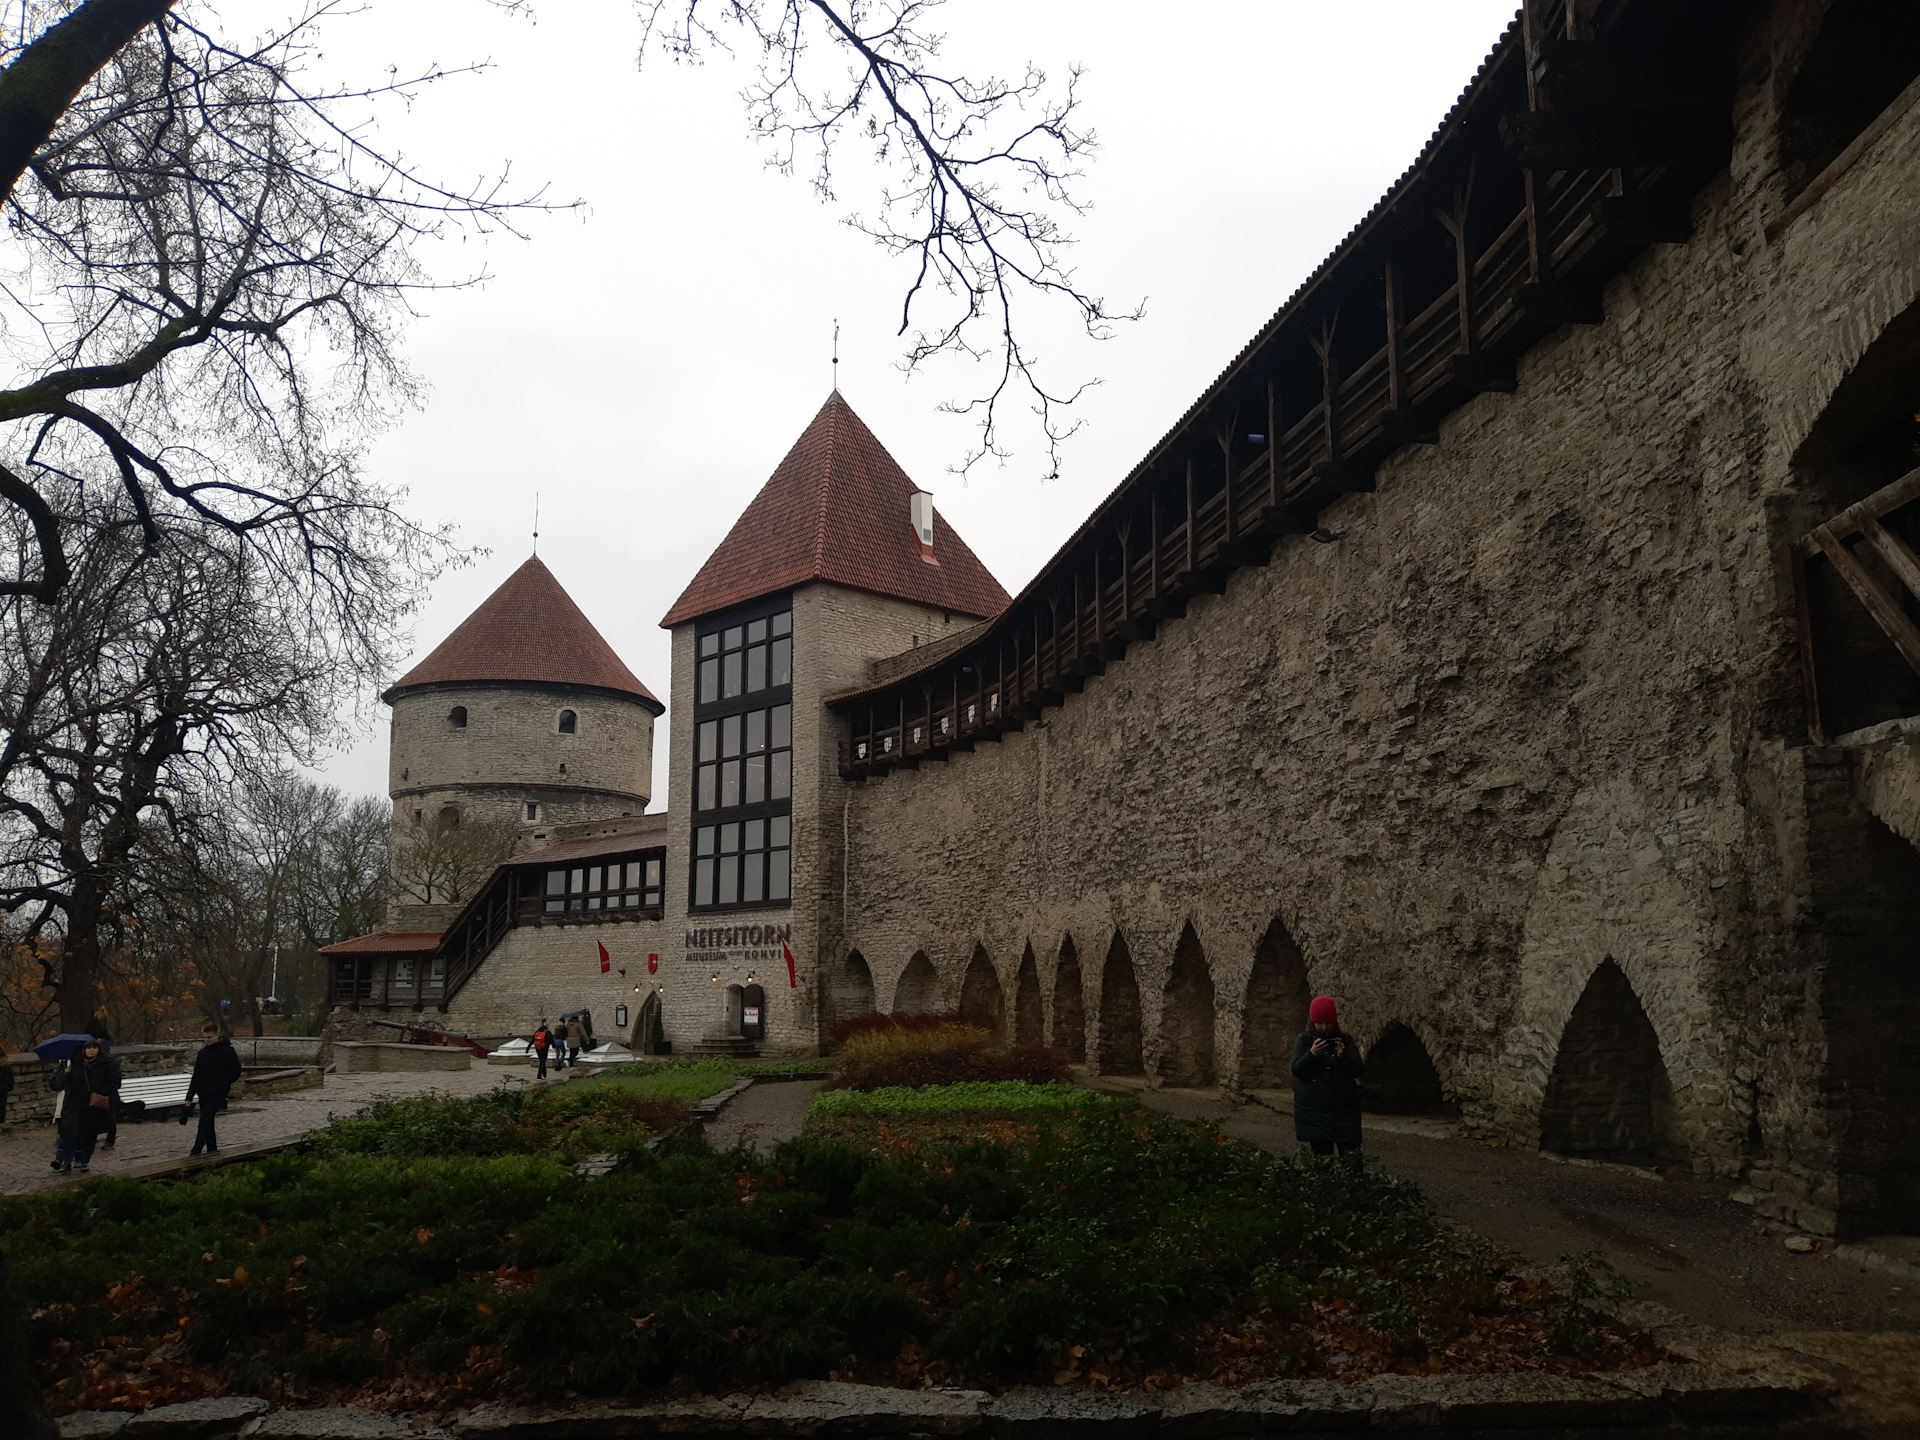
(836, 352)
(536, 522)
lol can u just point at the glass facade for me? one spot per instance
(743, 759)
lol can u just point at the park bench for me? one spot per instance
(148, 1095)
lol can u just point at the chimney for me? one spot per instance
(920, 512)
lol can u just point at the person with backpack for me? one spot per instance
(216, 1070)
(542, 1039)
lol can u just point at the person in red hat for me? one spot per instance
(1327, 1066)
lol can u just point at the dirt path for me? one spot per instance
(763, 1116)
(1695, 1250)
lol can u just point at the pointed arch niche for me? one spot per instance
(1119, 1012)
(981, 1002)
(1609, 1097)
(917, 991)
(1069, 1004)
(850, 989)
(1029, 1025)
(1186, 1019)
(1276, 1010)
(1401, 1078)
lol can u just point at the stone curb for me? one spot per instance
(1672, 1399)
(711, 1106)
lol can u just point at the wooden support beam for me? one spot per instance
(1275, 480)
(1884, 608)
(1396, 369)
(1892, 549)
(1192, 551)
(1454, 220)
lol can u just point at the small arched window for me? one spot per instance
(457, 718)
(449, 815)
(569, 722)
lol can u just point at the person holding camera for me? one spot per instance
(1327, 1066)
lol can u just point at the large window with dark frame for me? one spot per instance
(743, 759)
(635, 882)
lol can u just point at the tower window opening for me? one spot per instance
(457, 718)
(569, 722)
(449, 815)
(533, 811)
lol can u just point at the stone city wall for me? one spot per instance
(1537, 709)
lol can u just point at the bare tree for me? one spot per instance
(147, 687)
(444, 861)
(211, 271)
(982, 169)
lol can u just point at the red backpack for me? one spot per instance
(540, 1040)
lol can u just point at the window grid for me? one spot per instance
(744, 759)
(743, 763)
(747, 658)
(620, 885)
(743, 862)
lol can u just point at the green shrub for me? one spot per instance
(974, 1096)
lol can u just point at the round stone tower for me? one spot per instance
(522, 716)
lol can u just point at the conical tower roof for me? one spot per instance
(528, 631)
(837, 510)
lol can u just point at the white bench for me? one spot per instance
(156, 1092)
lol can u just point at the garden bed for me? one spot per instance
(436, 1254)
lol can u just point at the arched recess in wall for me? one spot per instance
(1866, 438)
(1069, 1004)
(1029, 1025)
(850, 989)
(917, 991)
(1609, 1097)
(1186, 1018)
(1120, 1052)
(1401, 1078)
(981, 1002)
(1865, 53)
(1275, 1012)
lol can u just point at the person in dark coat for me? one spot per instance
(216, 1070)
(91, 1091)
(113, 1110)
(6, 1081)
(1327, 1066)
(541, 1040)
(560, 1046)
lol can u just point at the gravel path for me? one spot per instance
(763, 1116)
(25, 1150)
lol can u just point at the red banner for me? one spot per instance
(606, 960)
(793, 981)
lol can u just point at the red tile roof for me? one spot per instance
(836, 510)
(385, 942)
(528, 630)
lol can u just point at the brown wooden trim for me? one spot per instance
(1844, 161)
(1881, 503)
(1883, 607)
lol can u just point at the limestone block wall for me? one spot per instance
(541, 972)
(837, 634)
(1535, 711)
(511, 752)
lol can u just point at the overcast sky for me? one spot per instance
(645, 363)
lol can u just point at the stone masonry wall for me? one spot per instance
(542, 971)
(511, 751)
(1536, 709)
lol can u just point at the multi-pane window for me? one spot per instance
(746, 658)
(617, 884)
(744, 759)
(743, 862)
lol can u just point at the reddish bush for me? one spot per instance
(878, 1020)
(944, 1053)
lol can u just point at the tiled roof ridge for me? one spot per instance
(528, 631)
(826, 483)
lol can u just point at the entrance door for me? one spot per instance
(735, 1007)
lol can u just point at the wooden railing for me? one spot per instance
(1265, 452)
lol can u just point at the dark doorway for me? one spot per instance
(917, 992)
(1119, 1012)
(981, 1002)
(1029, 1025)
(1608, 1097)
(1186, 1020)
(1276, 1010)
(1069, 1004)
(1401, 1078)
